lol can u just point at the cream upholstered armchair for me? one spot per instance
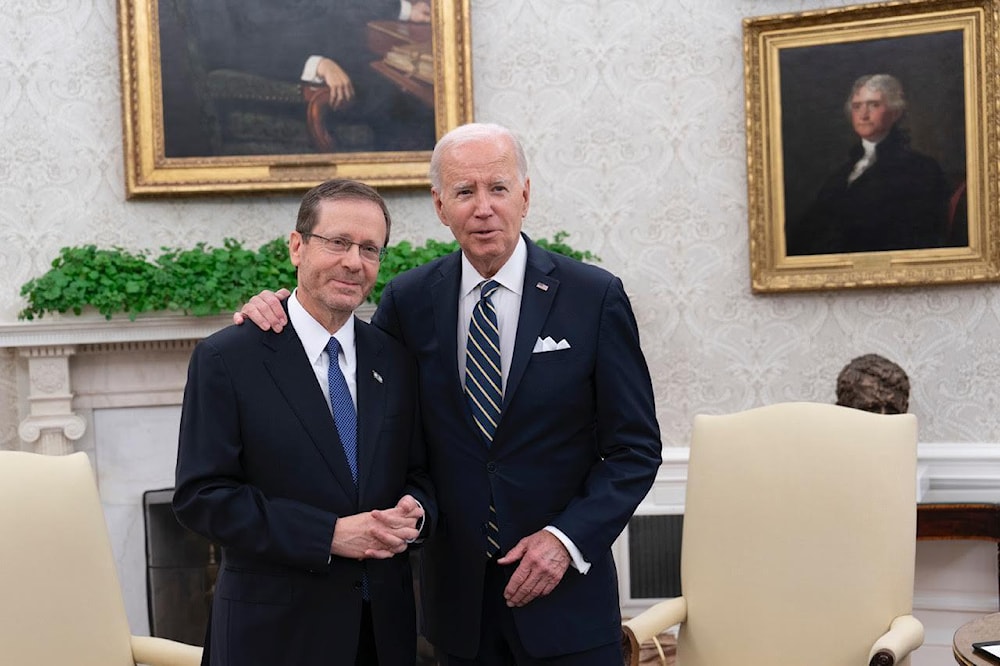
(798, 542)
(60, 601)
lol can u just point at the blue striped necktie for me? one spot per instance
(483, 385)
(344, 414)
(346, 419)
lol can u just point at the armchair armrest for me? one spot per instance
(163, 652)
(905, 635)
(648, 624)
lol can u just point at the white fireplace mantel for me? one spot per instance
(87, 361)
(90, 329)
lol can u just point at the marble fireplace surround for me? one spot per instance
(114, 388)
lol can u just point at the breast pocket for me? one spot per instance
(555, 356)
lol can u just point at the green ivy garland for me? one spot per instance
(202, 280)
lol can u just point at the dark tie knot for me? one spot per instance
(333, 348)
(488, 289)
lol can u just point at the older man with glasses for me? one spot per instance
(301, 455)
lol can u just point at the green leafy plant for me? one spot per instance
(202, 280)
(403, 256)
(558, 245)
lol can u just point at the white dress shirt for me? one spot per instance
(314, 338)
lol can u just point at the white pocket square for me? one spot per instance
(547, 344)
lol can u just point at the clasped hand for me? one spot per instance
(377, 534)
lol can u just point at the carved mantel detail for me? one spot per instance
(51, 421)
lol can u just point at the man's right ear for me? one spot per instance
(295, 248)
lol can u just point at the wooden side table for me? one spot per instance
(986, 628)
(961, 521)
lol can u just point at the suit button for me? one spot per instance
(357, 585)
(491, 467)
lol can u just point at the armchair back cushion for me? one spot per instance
(60, 601)
(799, 535)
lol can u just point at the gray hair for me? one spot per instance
(886, 84)
(474, 132)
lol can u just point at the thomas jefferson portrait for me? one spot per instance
(879, 190)
(234, 72)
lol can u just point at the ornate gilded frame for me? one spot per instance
(149, 172)
(769, 41)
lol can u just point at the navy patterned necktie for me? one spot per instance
(482, 363)
(483, 384)
(346, 419)
(344, 414)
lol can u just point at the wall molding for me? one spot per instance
(946, 472)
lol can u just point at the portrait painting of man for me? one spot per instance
(873, 136)
(237, 76)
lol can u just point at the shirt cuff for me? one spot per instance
(309, 74)
(420, 524)
(405, 9)
(580, 564)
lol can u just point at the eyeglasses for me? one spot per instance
(341, 246)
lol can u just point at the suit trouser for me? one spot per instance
(367, 649)
(499, 643)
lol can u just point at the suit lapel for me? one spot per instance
(294, 377)
(372, 375)
(538, 293)
(444, 290)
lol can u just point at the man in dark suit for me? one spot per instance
(538, 475)
(886, 196)
(301, 456)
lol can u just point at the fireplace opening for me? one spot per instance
(181, 568)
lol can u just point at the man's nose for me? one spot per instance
(483, 205)
(352, 258)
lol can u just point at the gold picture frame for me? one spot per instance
(808, 229)
(190, 127)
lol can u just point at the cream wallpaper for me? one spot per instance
(632, 113)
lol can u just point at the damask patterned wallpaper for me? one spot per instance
(632, 113)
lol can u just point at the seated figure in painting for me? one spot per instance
(245, 61)
(873, 383)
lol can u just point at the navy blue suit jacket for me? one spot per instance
(577, 446)
(261, 472)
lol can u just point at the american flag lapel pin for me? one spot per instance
(542, 286)
(377, 377)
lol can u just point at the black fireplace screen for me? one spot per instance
(181, 567)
